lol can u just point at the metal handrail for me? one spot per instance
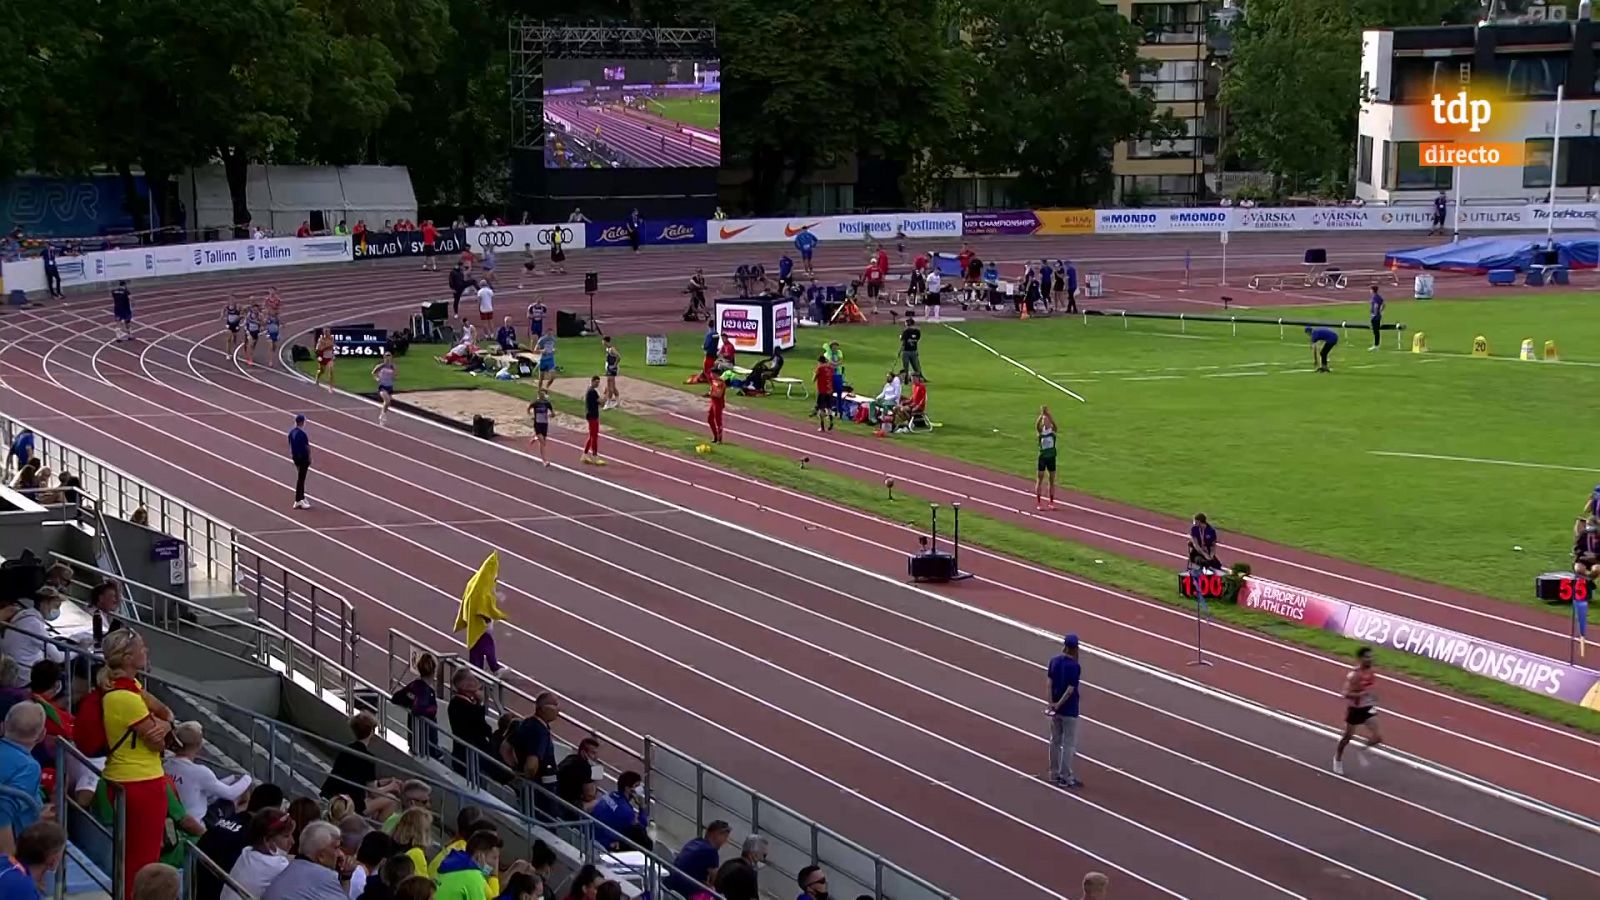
(818, 836)
(350, 682)
(211, 544)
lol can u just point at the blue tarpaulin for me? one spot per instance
(1479, 255)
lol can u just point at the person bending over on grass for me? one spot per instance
(1045, 425)
(1328, 338)
(1586, 550)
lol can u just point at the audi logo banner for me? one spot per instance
(513, 238)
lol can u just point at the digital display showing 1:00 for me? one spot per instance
(359, 341)
(1205, 584)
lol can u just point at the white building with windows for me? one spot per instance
(1527, 62)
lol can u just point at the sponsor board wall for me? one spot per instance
(1577, 217)
(513, 238)
(654, 233)
(1539, 674)
(109, 266)
(835, 228)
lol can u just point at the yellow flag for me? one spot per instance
(478, 605)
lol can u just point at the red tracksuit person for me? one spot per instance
(719, 392)
(591, 414)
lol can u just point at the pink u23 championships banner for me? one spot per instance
(1540, 674)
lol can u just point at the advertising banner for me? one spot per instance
(654, 233)
(384, 244)
(1263, 219)
(759, 231)
(890, 225)
(1128, 221)
(1529, 671)
(111, 266)
(1022, 221)
(1066, 221)
(514, 238)
(783, 325)
(740, 323)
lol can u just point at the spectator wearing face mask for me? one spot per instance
(25, 641)
(577, 770)
(270, 835)
(736, 879)
(225, 841)
(624, 813)
(464, 874)
(813, 883)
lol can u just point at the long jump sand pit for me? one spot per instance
(510, 414)
(640, 397)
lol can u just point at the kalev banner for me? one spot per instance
(653, 233)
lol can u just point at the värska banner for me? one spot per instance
(516, 238)
(652, 233)
(1508, 665)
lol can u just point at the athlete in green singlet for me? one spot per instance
(1045, 425)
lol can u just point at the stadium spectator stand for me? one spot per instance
(259, 665)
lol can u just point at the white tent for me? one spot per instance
(281, 197)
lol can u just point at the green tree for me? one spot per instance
(805, 87)
(1292, 85)
(42, 52)
(1049, 95)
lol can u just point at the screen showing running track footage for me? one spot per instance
(632, 114)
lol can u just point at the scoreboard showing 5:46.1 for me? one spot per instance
(359, 340)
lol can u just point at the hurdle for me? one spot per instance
(1183, 320)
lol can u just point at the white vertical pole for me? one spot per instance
(1455, 227)
(1555, 169)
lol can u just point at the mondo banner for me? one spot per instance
(1531, 672)
(654, 233)
(515, 238)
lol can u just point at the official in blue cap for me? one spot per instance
(1062, 707)
(300, 455)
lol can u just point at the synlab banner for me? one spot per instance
(654, 233)
(382, 244)
(516, 238)
(1542, 675)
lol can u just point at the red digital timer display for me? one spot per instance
(1573, 589)
(1200, 584)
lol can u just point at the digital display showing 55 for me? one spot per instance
(359, 340)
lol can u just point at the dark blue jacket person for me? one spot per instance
(300, 455)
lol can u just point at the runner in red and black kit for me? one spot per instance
(430, 237)
(1360, 709)
(591, 414)
(719, 399)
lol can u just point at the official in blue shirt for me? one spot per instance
(806, 243)
(1377, 305)
(1328, 338)
(1072, 287)
(21, 448)
(699, 859)
(1062, 708)
(300, 455)
(623, 813)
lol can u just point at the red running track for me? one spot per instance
(789, 661)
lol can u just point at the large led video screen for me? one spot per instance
(632, 113)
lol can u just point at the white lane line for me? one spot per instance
(1482, 461)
